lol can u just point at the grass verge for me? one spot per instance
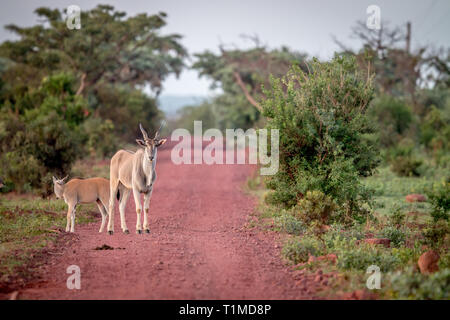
(30, 228)
(400, 277)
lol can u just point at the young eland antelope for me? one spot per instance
(134, 171)
(82, 191)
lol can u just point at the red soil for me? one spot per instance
(199, 246)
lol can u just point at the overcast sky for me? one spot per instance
(301, 25)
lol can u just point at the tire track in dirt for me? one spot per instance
(199, 246)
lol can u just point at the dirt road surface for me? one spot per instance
(200, 246)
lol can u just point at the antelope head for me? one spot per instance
(58, 186)
(150, 144)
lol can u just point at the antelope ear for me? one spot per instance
(161, 142)
(54, 179)
(141, 143)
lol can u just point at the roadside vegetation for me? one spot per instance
(32, 226)
(68, 100)
(66, 96)
(409, 227)
(364, 179)
(364, 175)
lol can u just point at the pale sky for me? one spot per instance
(306, 26)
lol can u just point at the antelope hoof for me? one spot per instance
(147, 230)
(110, 233)
(139, 231)
(126, 231)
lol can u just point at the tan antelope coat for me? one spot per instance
(79, 191)
(134, 171)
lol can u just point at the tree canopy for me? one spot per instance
(109, 48)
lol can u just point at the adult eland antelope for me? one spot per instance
(134, 171)
(82, 191)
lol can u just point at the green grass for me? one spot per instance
(27, 225)
(355, 256)
(390, 190)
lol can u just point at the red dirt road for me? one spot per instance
(199, 246)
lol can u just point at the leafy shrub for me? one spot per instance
(58, 97)
(393, 117)
(359, 256)
(439, 197)
(289, 224)
(338, 235)
(435, 234)
(397, 217)
(408, 255)
(435, 131)
(396, 235)
(325, 136)
(362, 256)
(126, 107)
(406, 166)
(403, 161)
(44, 147)
(100, 139)
(298, 250)
(414, 285)
(42, 141)
(444, 261)
(315, 207)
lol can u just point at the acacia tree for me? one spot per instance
(401, 71)
(66, 92)
(110, 53)
(241, 75)
(109, 48)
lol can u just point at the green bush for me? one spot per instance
(396, 235)
(408, 255)
(435, 233)
(42, 141)
(439, 197)
(355, 255)
(338, 233)
(315, 207)
(325, 137)
(286, 222)
(362, 256)
(393, 117)
(298, 250)
(403, 161)
(414, 285)
(435, 131)
(444, 261)
(397, 217)
(406, 166)
(44, 147)
(126, 107)
(100, 139)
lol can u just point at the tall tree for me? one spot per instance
(399, 71)
(109, 48)
(241, 74)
